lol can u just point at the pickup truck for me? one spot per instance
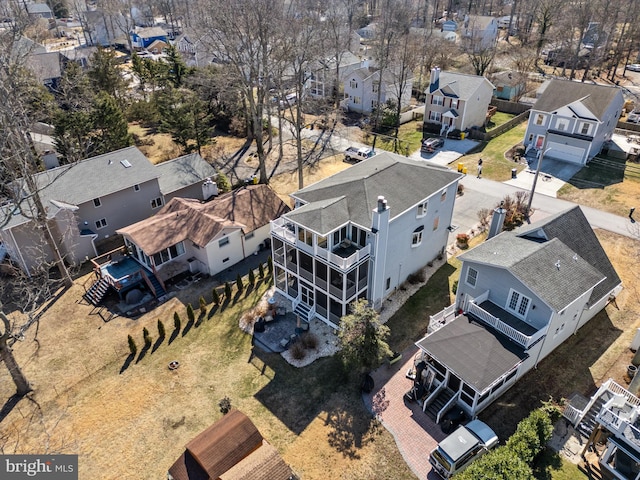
(355, 154)
(462, 447)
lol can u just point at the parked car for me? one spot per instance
(355, 154)
(430, 145)
(634, 67)
(462, 448)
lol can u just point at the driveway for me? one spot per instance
(451, 151)
(414, 432)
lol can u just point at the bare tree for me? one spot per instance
(6, 355)
(244, 34)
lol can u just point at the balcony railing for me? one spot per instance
(620, 424)
(285, 230)
(440, 319)
(525, 340)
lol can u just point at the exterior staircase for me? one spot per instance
(302, 310)
(160, 292)
(96, 293)
(440, 401)
(588, 423)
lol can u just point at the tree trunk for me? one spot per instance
(6, 355)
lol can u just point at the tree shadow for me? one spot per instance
(143, 353)
(224, 305)
(248, 290)
(237, 296)
(9, 405)
(157, 344)
(125, 365)
(174, 335)
(201, 318)
(187, 327)
(546, 463)
(213, 311)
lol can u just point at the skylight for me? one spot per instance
(125, 163)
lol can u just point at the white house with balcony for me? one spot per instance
(572, 121)
(520, 295)
(360, 233)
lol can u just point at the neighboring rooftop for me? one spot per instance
(559, 93)
(458, 85)
(182, 172)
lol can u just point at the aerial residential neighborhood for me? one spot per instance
(351, 240)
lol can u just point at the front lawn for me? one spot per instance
(409, 139)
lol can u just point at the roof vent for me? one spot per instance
(558, 264)
(575, 257)
(125, 163)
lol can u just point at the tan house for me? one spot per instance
(230, 449)
(205, 236)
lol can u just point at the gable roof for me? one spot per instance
(559, 93)
(558, 258)
(351, 195)
(247, 208)
(150, 32)
(477, 354)
(458, 85)
(45, 66)
(38, 8)
(182, 172)
(91, 178)
(230, 449)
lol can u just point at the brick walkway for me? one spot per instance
(415, 433)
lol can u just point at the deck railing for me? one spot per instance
(514, 334)
(440, 319)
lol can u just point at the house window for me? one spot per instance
(353, 83)
(375, 87)
(562, 124)
(436, 222)
(585, 129)
(223, 241)
(357, 100)
(539, 119)
(422, 210)
(530, 137)
(101, 223)
(472, 276)
(518, 303)
(454, 103)
(97, 202)
(156, 202)
(443, 196)
(388, 283)
(225, 260)
(417, 236)
(435, 116)
(374, 104)
(136, 188)
(249, 236)
(437, 100)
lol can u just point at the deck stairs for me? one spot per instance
(438, 403)
(303, 311)
(160, 292)
(97, 291)
(588, 422)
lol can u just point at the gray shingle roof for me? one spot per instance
(460, 85)
(403, 183)
(182, 172)
(532, 252)
(476, 353)
(559, 93)
(92, 178)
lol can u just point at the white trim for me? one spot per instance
(516, 311)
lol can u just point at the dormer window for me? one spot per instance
(437, 100)
(585, 128)
(562, 124)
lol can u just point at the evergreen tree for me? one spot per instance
(227, 290)
(216, 297)
(161, 330)
(239, 283)
(223, 183)
(133, 348)
(190, 314)
(105, 74)
(110, 128)
(252, 278)
(269, 265)
(178, 70)
(147, 337)
(203, 306)
(261, 271)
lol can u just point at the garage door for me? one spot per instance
(565, 152)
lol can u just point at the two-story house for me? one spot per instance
(88, 201)
(479, 32)
(361, 89)
(571, 121)
(520, 295)
(360, 233)
(328, 75)
(141, 38)
(456, 101)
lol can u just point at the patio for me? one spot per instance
(281, 328)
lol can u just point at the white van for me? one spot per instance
(462, 447)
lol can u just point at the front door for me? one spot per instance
(306, 294)
(539, 142)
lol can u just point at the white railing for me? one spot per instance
(440, 319)
(614, 387)
(572, 414)
(513, 333)
(619, 425)
(432, 396)
(280, 227)
(343, 263)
